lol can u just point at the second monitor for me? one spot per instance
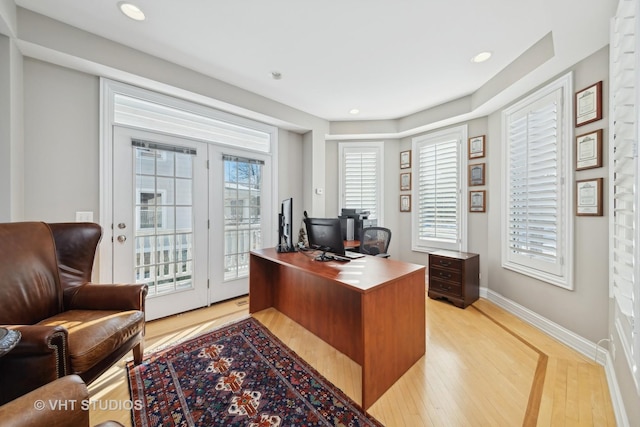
(325, 234)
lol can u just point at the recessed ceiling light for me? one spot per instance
(481, 57)
(276, 75)
(354, 111)
(131, 10)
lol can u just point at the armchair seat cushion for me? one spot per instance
(94, 333)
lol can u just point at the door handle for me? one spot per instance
(122, 238)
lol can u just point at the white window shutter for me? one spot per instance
(438, 191)
(538, 194)
(438, 219)
(533, 195)
(361, 177)
(624, 177)
(361, 181)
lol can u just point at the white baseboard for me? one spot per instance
(575, 341)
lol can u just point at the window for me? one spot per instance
(624, 271)
(537, 135)
(437, 217)
(242, 219)
(361, 177)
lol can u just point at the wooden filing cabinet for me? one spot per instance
(454, 276)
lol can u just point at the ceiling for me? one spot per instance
(387, 58)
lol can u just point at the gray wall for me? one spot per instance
(61, 166)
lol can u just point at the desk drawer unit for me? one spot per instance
(454, 276)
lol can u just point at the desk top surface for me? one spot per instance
(363, 274)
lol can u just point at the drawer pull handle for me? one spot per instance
(446, 276)
(445, 264)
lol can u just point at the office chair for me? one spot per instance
(375, 241)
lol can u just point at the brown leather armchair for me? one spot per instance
(61, 403)
(68, 324)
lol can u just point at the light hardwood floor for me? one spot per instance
(483, 367)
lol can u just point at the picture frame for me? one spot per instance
(405, 181)
(589, 197)
(405, 203)
(476, 174)
(405, 159)
(589, 150)
(477, 200)
(476, 147)
(588, 104)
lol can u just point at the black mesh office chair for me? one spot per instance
(375, 241)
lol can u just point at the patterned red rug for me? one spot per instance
(238, 375)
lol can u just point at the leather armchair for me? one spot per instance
(57, 404)
(68, 324)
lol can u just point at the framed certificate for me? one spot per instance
(589, 197)
(405, 203)
(588, 104)
(476, 147)
(405, 159)
(589, 150)
(405, 181)
(476, 174)
(477, 201)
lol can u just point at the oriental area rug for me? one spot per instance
(238, 375)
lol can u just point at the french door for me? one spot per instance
(185, 216)
(160, 219)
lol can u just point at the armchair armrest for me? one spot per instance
(41, 356)
(65, 394)
(40, 339)
(91, 296)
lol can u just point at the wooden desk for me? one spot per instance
(351, 244)
(372, 309)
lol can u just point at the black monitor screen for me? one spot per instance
(286, 226)
(325, 234)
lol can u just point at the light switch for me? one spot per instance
(84, 216)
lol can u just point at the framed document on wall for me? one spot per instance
(589, 150)
(405, 203)
(476, 147)
(589, 197)
(588, 104)
(405, 181)
(405, 159)
(476, 174)
(477, 201)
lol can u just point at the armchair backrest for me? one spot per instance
(30, 289)
(76, 244)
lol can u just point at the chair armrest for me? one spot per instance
(91, 296)
(41, 356)
(40, 339)
(57, 403)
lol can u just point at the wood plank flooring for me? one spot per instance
(483, 367)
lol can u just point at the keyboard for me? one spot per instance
(336, 257)
(353, 255)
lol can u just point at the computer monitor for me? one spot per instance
(285, 227)
(325, 234)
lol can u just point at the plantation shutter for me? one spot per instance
(534, 200)
(624, 181)
(438, 191)
(361, 181)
